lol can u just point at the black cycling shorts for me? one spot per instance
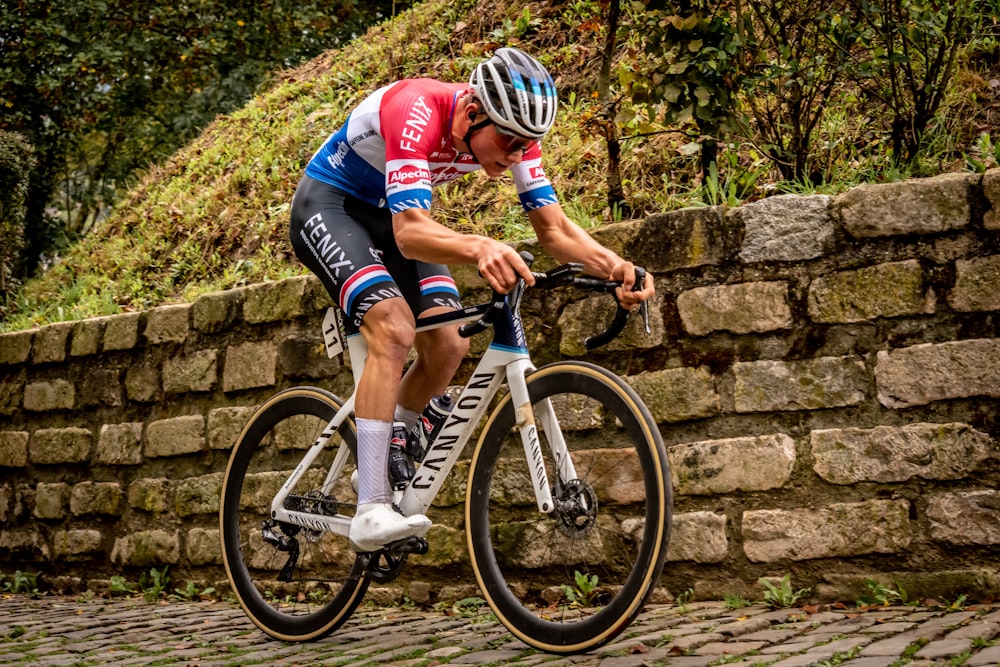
(350, 246)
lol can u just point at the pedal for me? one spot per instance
(411, 545)
(385, 565)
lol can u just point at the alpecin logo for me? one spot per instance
(409, 176)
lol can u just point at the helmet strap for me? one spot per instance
(467, 139)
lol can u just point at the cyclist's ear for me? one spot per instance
(473, 108)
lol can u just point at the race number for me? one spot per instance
(333, 332)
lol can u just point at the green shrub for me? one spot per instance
(16, 162)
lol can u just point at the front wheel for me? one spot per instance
(570, 580)
(294, 583)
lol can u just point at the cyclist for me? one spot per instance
(360, 221)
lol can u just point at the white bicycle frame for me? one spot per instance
(505, 359)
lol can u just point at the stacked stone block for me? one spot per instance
(825, 371)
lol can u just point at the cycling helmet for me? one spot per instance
(517, 93)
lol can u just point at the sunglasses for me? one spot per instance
(511, 143)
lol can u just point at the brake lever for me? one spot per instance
(640, 282)
(644, 312)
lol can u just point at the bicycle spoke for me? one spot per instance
(569, 580)
(294, 582)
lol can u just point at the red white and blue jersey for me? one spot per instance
(396, 146)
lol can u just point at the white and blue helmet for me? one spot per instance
(517, 93)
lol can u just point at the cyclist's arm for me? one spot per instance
(420, 237)
(567, 242)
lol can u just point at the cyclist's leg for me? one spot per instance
(439, 354)
(430, 290)
(331, 235)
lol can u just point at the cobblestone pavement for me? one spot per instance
(53, 631)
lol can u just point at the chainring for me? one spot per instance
(384, 573)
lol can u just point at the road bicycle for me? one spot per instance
(568, 498)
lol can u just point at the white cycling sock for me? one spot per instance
(407, 416)
(373, 461)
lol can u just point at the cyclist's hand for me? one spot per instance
(501, 266)
(625, 272)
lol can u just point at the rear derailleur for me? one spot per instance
(287, 540)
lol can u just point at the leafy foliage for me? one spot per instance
(584, 592)
(192, 592)
(768, 70)
(155, 583)
(214, 214)
(16, 162)
(798, 58)
(879, 594)
(693, 46)
(119, 584)
(782, 594)
(103, 87)
(984, 154)
(910, 51)
(23, 583)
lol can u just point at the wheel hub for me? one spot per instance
(576, 507)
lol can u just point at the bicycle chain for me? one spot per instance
(315, 500)
(394, 559)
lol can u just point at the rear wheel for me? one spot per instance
(571, 580)
(294, 583)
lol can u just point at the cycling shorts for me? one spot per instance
(350, 246)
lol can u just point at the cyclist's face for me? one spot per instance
(498, 151)
(511, 143)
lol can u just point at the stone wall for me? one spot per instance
(825, 371)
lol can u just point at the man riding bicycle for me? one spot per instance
(361, 223)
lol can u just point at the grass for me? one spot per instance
(879, 594)
(782, 595)
(20, 582)
(735, 601)
(214, 215)
(909, 652)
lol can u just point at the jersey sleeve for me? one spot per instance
(533, 186)
(409, 126)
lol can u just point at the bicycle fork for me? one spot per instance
(524, 417)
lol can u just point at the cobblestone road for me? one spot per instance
(56, 631)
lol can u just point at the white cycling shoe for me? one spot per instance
(378, 524)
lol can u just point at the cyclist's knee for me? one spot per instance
(458, 346)
(389, 328)
(443, 347)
